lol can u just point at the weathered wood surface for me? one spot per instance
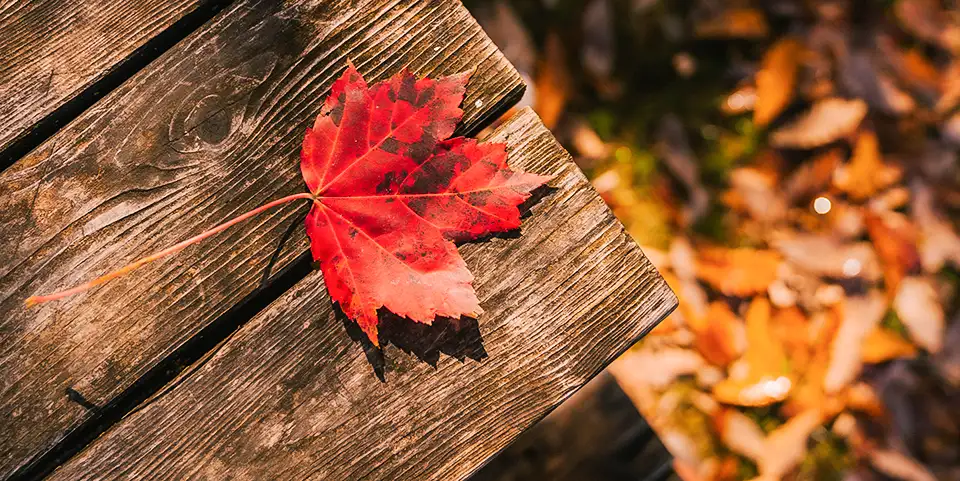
(50, 50)
(209, 130)
(291, 396)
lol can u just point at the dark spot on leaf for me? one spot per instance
(390, 145)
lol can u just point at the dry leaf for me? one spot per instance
(927, 20)
(766, 379)
(814, 176)
(827, 121)
(809, 392)
(861, 315)
(920, 311)
(742, 435)
(787, 444)
(899, 466)
(861, 397)
(776, 80)
(656, 369)
(734, 23)
(895, 241)
(722, 339)
(881, 345)
(827, 256)
(791, 328)
(552, 82)
(867, 173)
(938, 241)
(738, 272)
(759, 194)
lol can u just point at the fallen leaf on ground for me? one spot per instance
(718, 339)
(939, 243)
(776, 80)
(866, 173)
(861, 315)
(734, 23)
(827, 121)
(767, 378)
(742, 435)
(787, 444)
(899, 466)
(881, 345)
(826, 256)
(895, 241)
(920, 311)
(738, 272)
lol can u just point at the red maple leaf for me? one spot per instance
(391, 193)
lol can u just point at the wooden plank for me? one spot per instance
(54, 49)
(291, 396)
(209, 130)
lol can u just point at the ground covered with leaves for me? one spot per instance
(790, 167)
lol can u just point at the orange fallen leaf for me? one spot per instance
(776, 80)
(790, 327)
(738, 272)
(861, 397)
(766, 380)
(828, 120)
(735, 23)
(716, 341)
(866, 174)
(881, 345)
(894, 239)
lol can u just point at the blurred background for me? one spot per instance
(790, 168)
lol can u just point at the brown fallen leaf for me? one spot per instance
(920, 312)
(861, 315)
(552, 82)
(866, 173)
(734, 23)
(895, 240)
(881, 345)
(738, 272)
(828, 120)
(776, 80)
(813, 177)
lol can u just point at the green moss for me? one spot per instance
(767, 417)
(828, 459)
(891, 321)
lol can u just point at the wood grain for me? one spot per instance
(209, 130)
(53, 49)
(291, 396)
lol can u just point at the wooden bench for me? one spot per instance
(229, 361)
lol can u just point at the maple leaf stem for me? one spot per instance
(33, 300)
